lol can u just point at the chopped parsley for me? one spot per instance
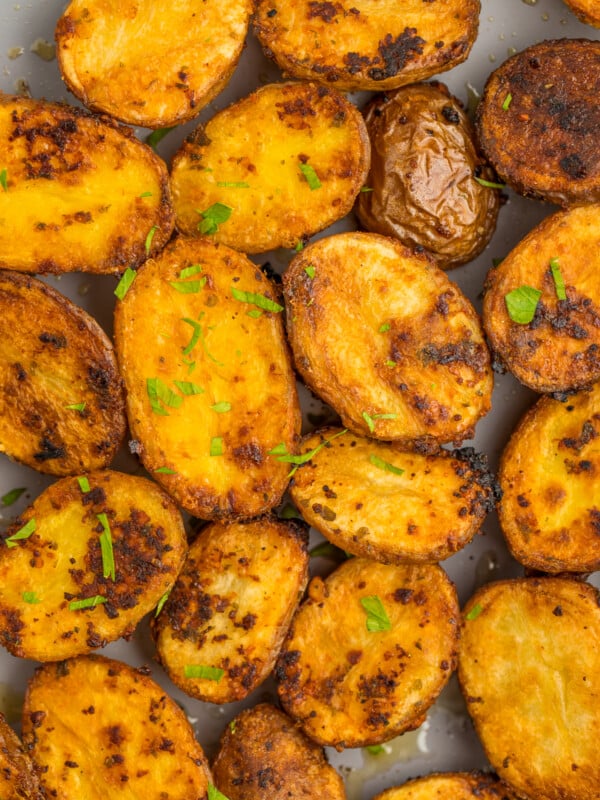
(233, 184)
(4, 179)
(282, 454)
(189, 287)
(375, 749)
(197, 336)
(157, 136)
(385, 465)
(11, 497)
(366, 189)
(160, 395)
(149, 237)
(124, 284)
(256, 299)
(310, 271)
(222, 407)
(30, 597)
(165, 471)
(216, 446)
(391, 364)
(84, 484)
(188, 388)
(161, 602)
(559, 283)
(106, 547)
(311, 176)
(255, 313)
(507, 102)
(76, 407)
(212, 217)
(377, 618)
(385, 327)
(23, 533)
(213, 792)
(474, 612)
(490, 184)
(521, 304)
(145, 194)
(370, 420)
(202, 671)
(88, 602)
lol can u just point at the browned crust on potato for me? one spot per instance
(450, 786)
(18, 778)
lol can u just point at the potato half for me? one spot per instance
(450, 786)
(81, 193)
(18, 778)
(586, 10)
(83, 564)
(282, 164)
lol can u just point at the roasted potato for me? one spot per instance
(18, 779)
(215, 392)
(99, 729)
(369, 651)
(83, 564)
(221, 629)
(541, 309)
(450, 786)
(377, 500)
(263, 754)
(147, 63)
(62, 407)
(529, 667)
(422, 187)
(366, 46)
(82, 193)
(282, 164)
(549, 470)
(537, 121)
(586, 10)
(384, 337)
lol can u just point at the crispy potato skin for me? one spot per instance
(350, 687)
(366, 46)
(586, 10)
(239, 359)
(550, 491)
(431, 510)
(147, 63)
(450, 786)
(232, 605)
(62, 562)
(421, 180)
(262, 753)
(559, 350)
(379, 330)
(544, 144)
(528, 666)
(250, 157)
(52, 355)
(74, 191)
(18, 779)
(93, 724)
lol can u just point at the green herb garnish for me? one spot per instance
(385, 327)
(289, 512)
(213, 792)
(521, 304)
(490, 184)
(202, 671)
(282, 454)
(233, 184)
(216, 446)
(158, 392)
(189, 287)
(11, 497)
(124, 284)
(84, 484)
(149, 237)
(385, 465)
(370, 420)
(106, 547)
(76, 407)
(474, 612)
(158, 135)
(197, 336)
(256, 299)
(222, 407)
(310, 271)
(23, 533)
(4, 179)
(214, 216)
(391, 364)
(375, 749)
(161, 603)
(88, 602)
(188, 388)
(255, 313)
(30, 597)
(507, 102)
(145, 194)
(366, 189)
(165, 471)
(377, 618)
(311, 176)
(559, 283)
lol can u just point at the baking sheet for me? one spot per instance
(446, 741)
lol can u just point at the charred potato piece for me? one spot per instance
(215, 393)
(550, 493)
(18, 779)
(62, 408)
(529, 667)
(367, 45)
(262, 753)
(541, 308)
(537, 121)
(450, 786)
(147, 63)
(93, 724)
(384, 337)
(369, 651)
(82, 193)
(221, 629)
(376, 500)
(586, 10)
(82, 565)
(284, 163)
(422, 182)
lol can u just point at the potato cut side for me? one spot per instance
(541, 307)
(18, 779)
(537, 121)
(83, 564)
(369, 651)
(586, 10)
(450, 786)
(146, 63)
(263, 754)
(62, 406)
(223, 625)
(100, 729)
(215, 393)
(377, 500)
(384, 337)
(280, 165)
(81, 192)
(369, 45)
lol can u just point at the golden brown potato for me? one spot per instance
(83, 564)
(221, 629)
(215, 393)
(369, 651)
(450, 786)
(384, 337)
(82, 193)
(147, 63)
(367, 45)
(263, 754)
(280, 164)
(62, 407)
(529, 667)
(100, 730)
(587, 11)
(541, 309)
(549, 511)
(18, 779)
(422, 186)
(537, 121)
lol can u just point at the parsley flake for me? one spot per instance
(474, 612)
(507, 102)
(233, 184)
(157, 136)
(256, 299)
(375, 749)
(385, 327)
(106, 547)
(124, 285)
(149, 237)
(222, 407)
(189, 287)
(370, 420)
(212, 217)
(30, 597)
(281, 452)
(87, 602)
(213, 792)
(145, 194)
(161, 602)
(490, 184)
(365, 189)
(391, 364)
(255, 313)
(311, 176)
(23, 533)
(377, 618)
(188, 388)
(385, 465)
(165, 471)
(76, 407)
(158, 392)
(521, 304)
(198, 336)
(559, 283)
(11, 497)
(216, 446)
(310, 271)
(202, 671)
(4, 179)
(84, 484)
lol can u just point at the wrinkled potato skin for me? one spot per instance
(366, 46)
(93, 724)
(560, 349)
(529, 663)
(18, 779)
(544, 144)
(262, 753)
(421, 180)
(52, 355)
(146, 63)
(74, 186)
(586, 10)
(450, 786)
